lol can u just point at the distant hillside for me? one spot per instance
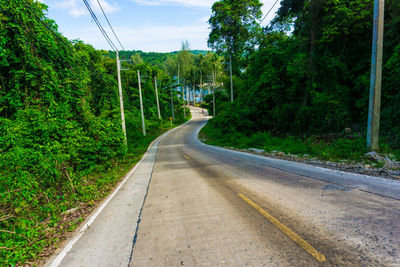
(153, 58)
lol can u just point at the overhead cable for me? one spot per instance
(108, 39)
(109, 24)
(269, 11)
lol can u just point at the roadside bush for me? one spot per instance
(234, 118)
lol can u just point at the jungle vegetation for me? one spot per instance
(61, 144)
(307, 73)
(304, 78)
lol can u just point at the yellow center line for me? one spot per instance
(187, 157)
(310, 249)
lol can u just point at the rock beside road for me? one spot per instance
(375, 164)
(256, 150)
(387, 160)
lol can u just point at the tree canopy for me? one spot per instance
(234, 28)
(311, 69)
(60, 124)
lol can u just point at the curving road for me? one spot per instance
(208, 206)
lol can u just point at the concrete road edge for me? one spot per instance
(60, 254)
(371, 184)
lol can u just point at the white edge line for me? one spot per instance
(56, 262)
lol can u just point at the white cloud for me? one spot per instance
(267, 4)
(190, 3)
(161, 37)
(107, 7)
(204, 19)
(76, 8)
(148, 38)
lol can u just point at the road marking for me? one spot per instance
(187, 157)
(310, 249)
(59, 258)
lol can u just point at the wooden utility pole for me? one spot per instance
(158, 103)
(141, 104)
(376, 77)
(121, 100)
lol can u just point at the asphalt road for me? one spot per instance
(207, 206)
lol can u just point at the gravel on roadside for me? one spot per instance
(374, 164)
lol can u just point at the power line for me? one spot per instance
(269, 11)
(57, 36)
(121, 100)
(108, 39)
(109, 24)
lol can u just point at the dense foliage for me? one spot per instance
(153, 58)
(234, 29)
(59, 123)
(341, 148)
(310, 72)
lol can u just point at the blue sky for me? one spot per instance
(147, 25)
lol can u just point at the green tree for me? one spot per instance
(59, 125)
(185, 60)
(137, 59)
(310, 74)
(234, 29)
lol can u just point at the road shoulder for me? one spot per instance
(108, 233)
(376, 185)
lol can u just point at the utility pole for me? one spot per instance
(184, 102)
(187, 93)
(188, 97)
(141, 104)
(201, 83)
(194, 87)
(213, 76)
(230, 70)
(121, 100)
(376, 77)
(172, 103)
(158, 103)
(183, 94)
